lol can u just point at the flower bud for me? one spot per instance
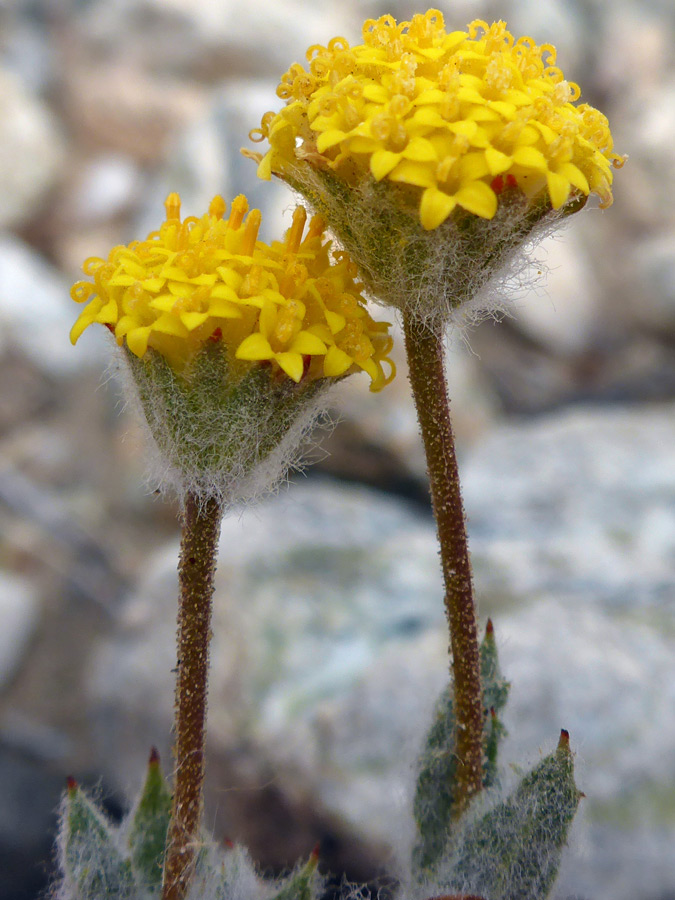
(434, 154)
(231, 342)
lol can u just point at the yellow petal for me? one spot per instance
(435, 208)
(464, 128)
(530, 158)
(308, 344)
(428, 117)
(420, 150)
(137, 340)
(292, 365)
(558, 189)
(265, 168)
(329, 139)
(193, 320)
(432, 96)
(168, 324)
(83, 321)
(336, 362)
(375, 93)
(152, 284)
(322, 332)
(382, 162)
(370, 368)
(335, 321)
(506, 110)
(473, 166)
(476, 197)
(221, 309)
(224, 292)
(255, 346)
(497, 161)
(163, 303)
(418, 174)
(363, 144)
(575, 176)
(107, 315)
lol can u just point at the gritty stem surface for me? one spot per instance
(427, 378)
(201, 528)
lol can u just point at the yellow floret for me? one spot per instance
(292, 305)
(454, 117)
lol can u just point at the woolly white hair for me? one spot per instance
(234, 441)
(455, 274)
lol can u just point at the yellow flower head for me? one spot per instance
(455, 119)
(292, 306)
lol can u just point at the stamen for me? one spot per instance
(250, 233)
(217, 207)
(238, 210)
(317, 226)
(295, 231)
(172, 206)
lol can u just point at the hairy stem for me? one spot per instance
(201, 528)
(424, 348)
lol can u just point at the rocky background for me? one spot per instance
(330, 642)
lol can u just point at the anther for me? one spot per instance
(250, 232)
(238, 210)
(294, 237)
(217, 207)
(172, 206)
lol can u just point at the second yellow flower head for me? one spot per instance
(453, 118)
(293, 305)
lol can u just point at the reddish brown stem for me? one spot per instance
(201, 528)
(424, 347)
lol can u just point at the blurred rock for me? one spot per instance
(116, 105)
(202, 38)
(205, 160)
(611, 683)
(37, 313)
(107, 186)
(580, 504)
(329, 641)
(653, 263)
(378, 441)
(31, 151)
(560, 308)
(19, 615)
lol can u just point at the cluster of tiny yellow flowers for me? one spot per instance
(291, 305)
(453, 117)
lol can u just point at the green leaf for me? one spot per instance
(435, 791)
(148, 828)
(90, 858)
(303, 884)
(513, 851)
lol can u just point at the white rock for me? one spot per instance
(560, 309)
(31, 151)
(19, 616)
(206, 160)
(108, 185)
(36, 312)
(329, 637)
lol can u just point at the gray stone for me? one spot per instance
(37, 313)
(19, 616)
(107, 186)
(559, 308)
(654, 269)
(31, 151)
(329, 639)
(206, 160)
